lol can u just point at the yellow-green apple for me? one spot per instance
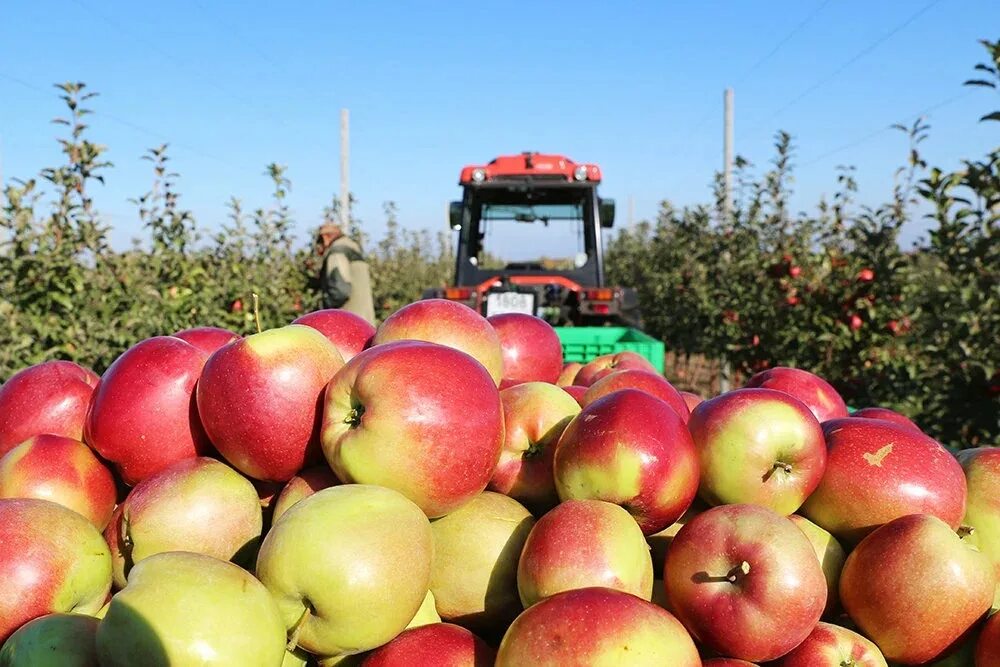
(440, 644)
(727, 662)
(349, 567)
(51, 397)
(831, 558)
(184, 608)
(267, 494)
(659, 542)
(914, 587)
(758, 446)
(446, 323)
(632, 449)
(208, 339)
(818, 394)
(349, 333)
(295, 658)
(647, 381)
(745, 582)
(421, 418)
(142, 418)
(260, 400)
(988, 645)
(63, 470)
(476, 551)
(427, 613)
(303, 485)
(833, 646)
(577, 392)
(197, 505)
(982, 510)
(596, 626)
(607, 364)
(887, 415)
(535, 414)
(877, 471)
(568, 373)
(51, 560)
(583, 544)
(532, 351)
(55, 640)
(691, 399)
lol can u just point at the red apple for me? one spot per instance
(647, 381)
(303, 485)
(745, 582)
(535, 416)
(51, 398)
(143, 418)
(818, 394)
(568, 373)
(758, 446)
(421, 418)
(727, 662)
(887, 415)
(208, 339)
(878, 471)
(629, 448)
(606, 364)
(439, 644)
(63, 470)
(833, 646)
(349, 333)
(929, 588)
(577, 392)
(532, 351)
(446, 323)
(260, 399)
(988, 646)
(691, 399)
(982, 510)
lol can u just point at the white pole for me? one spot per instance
(727, 191)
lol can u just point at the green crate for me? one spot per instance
(584, 343)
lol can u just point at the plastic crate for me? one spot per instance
(583, 344)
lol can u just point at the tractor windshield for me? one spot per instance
(540, 237)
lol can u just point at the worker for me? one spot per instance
(344, 279)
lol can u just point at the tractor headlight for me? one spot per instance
(580, 173)
(479, 175)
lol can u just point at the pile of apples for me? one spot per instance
(443, 490)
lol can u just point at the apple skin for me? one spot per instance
(345, 548)
(421, 418)
(207, 339)
(931, 589)
(647, 381)
(532, 351)
(745, 582)
(577, 392)
(568, 374)
(596, 626)
(446, 323)
(63, 470)
(535, 414)
(982, 510)
(440, 644)
(887, 415)
(303, 485)
(831, 557)
(629, 448)
(877, 471)
(606, 364)
(728, 662)
(988, 645)
(143, 418)
(833, 646)
(197, 505)
(349, 333)
(55, 640)
(691, 399)
(260, 398)
(52, 560)
(48, 398)
(584, 544)
(758, 446)
(184, 608)
(427, 613)
(818, 394)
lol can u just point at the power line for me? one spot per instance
(770, 54)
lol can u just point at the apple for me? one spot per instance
(535, 415)
(446, 323)
(51, 397)
(52, 560)
(568, 373)
(982, 511)
(260, 400)
(988, 645)
(532, 351)
(691, 399)
(296, 658)
(818, 394)
(886, 414)
(596, 626)
(208, 339)
(632, 449)
(267, 494)
(303, 485)
(421, 418)
(833, 646)
(831, 557)
(728, 662)
(758, 446)
(582, 544)
(606, 364)
(347, 548)
(55, 640)
(197, 505)
(877, 471)
(440, 644)
(142, 418)
(647, 381)
(190, 609)
(63, 470)
(745, 582)
(577, 392)
(476, 553)
(427, 613)
(659, 542)
(350, 333)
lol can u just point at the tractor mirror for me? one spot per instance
(455, 215)
(607, 212)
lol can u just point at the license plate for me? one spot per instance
(510, 302)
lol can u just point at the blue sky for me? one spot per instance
(636, 88)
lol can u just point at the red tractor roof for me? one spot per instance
(531, 165)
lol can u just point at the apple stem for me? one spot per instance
(256, 310)
(293, 641)
(353, 418)
(734, 574)
(965, 531)
(781, 465)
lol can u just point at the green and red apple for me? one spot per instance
(350, 333)
(643, 380)
(54, 640)
(303, 485)
(833, 646)
(982, 510)
(532, 351)
(440, 644)
(606, 364)
(819, 395)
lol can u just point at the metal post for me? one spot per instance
(725, 373)
(345, 167)
(631, 210)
